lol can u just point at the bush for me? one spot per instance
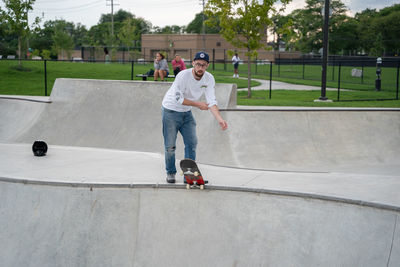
(46, 54)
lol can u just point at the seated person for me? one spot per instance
(178, 64)
(160, 67)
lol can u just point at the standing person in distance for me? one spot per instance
(182, 96)
(235, 62)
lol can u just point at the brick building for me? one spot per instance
(187, 45)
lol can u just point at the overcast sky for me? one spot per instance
(158, 12)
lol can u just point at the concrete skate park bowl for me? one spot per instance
(288, 187)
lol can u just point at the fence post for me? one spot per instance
(397, 83)
(362, 72)
(338, 90)
(224, 60)
(213, 58)
(279, 64)
(132, 70)
(304, 67)
(270, 80)
(256, 65)
(45, 77)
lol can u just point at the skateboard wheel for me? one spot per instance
(202, 186)
(196, 173)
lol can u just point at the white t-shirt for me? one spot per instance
(186, 86)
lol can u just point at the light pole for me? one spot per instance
(325, 52)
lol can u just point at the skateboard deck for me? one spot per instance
(192, 174)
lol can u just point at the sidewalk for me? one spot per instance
(276, 85)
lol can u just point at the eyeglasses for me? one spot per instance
(201, 65)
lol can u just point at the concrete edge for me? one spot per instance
(261, 169)
(347, 201)
(39, 99)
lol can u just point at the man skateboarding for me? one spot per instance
(185, 92)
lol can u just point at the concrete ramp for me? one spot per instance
(319, 140)
(127, 115)
(50, 225)
(17, 115)
(288, 187)
(97, 113)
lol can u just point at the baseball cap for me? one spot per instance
(202, 55)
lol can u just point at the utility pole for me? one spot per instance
(27, 33)
(112, 19)
(203, 29)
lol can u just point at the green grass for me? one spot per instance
(312, 75)
(30, 81)
(306, 99)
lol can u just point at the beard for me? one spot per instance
(198, 74)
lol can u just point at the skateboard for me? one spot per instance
(192, 174)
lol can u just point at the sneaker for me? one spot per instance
(171, 178)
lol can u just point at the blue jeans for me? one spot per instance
(174, 122)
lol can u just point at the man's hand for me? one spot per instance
(202, 105)
(223, 124)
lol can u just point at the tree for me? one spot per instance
(379, 31)
(388, 28)
(43, 38)
(63, 38)
(169, 29)
(105, 24)
(196, 25)
(15, 16)
(345, 39)
(281, 28)
(100, 34)
(8, 41)
(79, 35)
(244, 24)
(127, 34)
(364, 28)
(308, 23)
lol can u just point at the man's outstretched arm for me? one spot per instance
(215, 111)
